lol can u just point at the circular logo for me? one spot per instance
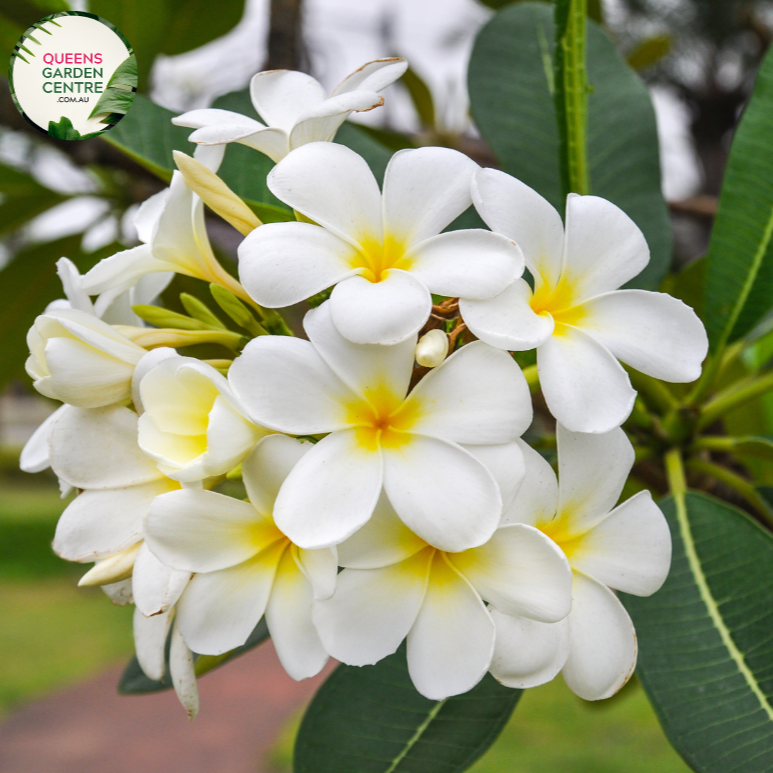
(73, 75)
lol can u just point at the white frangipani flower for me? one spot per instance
(193, 425)
(627, 548)
(395, 586)
(383, 252)
(171, 226)
(382, 437)
(295, 109)
(81, 360)
(576, 317)
(244, 565)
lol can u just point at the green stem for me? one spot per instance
(571, 94)
(655, 392)
(735, 482)
(733, 397)
(675, 473)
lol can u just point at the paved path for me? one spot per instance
(91, 729)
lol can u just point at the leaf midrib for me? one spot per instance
(416, 736)
(711, 604)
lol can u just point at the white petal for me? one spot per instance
(285, 263)
(219, 610)
(505, 462)
(123, 270)
(585, 387)
(97, 449)
(97, 524)
(320, 567)
(280, 96)
(265, 469)
(287, 386)
(424, 190)
(372, 610)
(183, 674)
(71, 284)
(120, 593)
(471, 264)
(211, 157)
(288, 615)
(156, 587)
(35, 456)
(630, 550)
(150, 642)
(592, 470)
(235, 130)
(331, 492)
(375, 75)
(528, 653)
(510, 207)
(477, 396)
(602, 642)
(385, 312)
(382, 541)
(442, 492)
(272, 142)
(320, 123)
(146, 219)
(537, 498)
(603, 248)
(521, 572)
(652, 332)
(451, 643)
(332, 186)
(201, 531)
(507, 321)
(84, 376)
(377, 373)
(144, 366)
(214, 117)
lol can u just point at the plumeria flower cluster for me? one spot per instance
(388, 494)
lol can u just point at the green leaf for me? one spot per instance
(118, 95)
(510, 85)
(134, 682)
(705, 644)
(739, 275)
(27, 284)
(650, 51)
(372, 720)
(421, 97)
(23, 198)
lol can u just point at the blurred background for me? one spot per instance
(698, 58)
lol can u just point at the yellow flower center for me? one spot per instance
(559, 302)
(558, 530)
(378, 256)
(383, 421)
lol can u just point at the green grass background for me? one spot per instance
(55, 634)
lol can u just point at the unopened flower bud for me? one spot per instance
(79, 359)
(112, 569)
(432, 349)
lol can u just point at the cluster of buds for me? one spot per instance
(388, 494)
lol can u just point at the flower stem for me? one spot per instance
(736, 482)
(734, 396)
(675, 473)
(532, 378)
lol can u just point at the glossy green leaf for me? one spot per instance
(27, 284)
(421, 97)
(739, 275)
(372, 720)
(511, 84)
(63, 129)
(134, 682)
(705, 641)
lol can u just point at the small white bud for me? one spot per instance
(432, 349)
(112, 569)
